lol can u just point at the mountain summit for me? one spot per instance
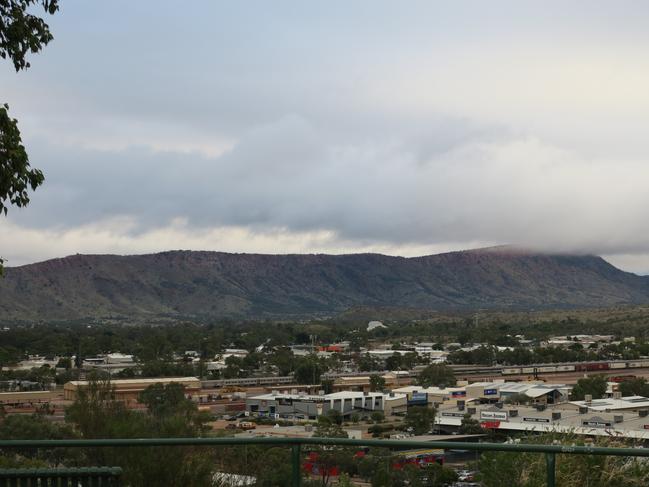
(190, 283)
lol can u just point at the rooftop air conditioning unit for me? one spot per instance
(618, 418)
(321, 392)
(588, 398)
(643, 413)
(540, 407)
(583, 410)
(499, 405)
(513, 413)
(471, 410)
(556, 416)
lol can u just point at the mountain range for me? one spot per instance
(198, 283)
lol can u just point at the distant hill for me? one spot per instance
(183, 283)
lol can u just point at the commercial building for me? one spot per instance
(361, 383)
(282, 405)
(128, 390)
(625, 417)
(431, 396)
(305, 406)
(538, 393)
(350, 402)
(617, 403)
(112, 362)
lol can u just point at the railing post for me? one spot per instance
(297, 471)
(550, 463)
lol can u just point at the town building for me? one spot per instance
(431, 396)
(305, 406)
(128, 390)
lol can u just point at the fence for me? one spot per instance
(550, 451)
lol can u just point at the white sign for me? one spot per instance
(494, 415)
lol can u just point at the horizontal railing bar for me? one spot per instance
(60, 472)
(391, 444)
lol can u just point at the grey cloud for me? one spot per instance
(447, 188)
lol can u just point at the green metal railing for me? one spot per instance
(60, 477)
(550, 451)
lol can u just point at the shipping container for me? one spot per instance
(548, 368)
(618, 365)
(565, 368)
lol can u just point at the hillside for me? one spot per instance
(184, 283)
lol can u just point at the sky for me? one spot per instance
(406, 128)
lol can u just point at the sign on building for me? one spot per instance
(491, 392)
(454, 415)
(491, 415)
(536, 420)
(597, 423)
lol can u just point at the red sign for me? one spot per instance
(490, 424)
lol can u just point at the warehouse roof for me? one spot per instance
(609, 404)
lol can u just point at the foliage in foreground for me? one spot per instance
(529, 469)
(96, 414)
(21, 33)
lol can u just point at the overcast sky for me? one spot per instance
(398, 127)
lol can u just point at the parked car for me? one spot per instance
(465, 476)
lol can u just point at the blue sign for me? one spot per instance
(491, 392)
(419, 396)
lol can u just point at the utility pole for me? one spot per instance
(315, 363)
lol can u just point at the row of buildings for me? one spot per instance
(291, 404)
(508, 406)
